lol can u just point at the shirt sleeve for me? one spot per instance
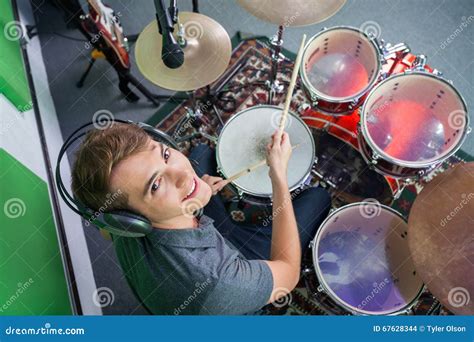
(242, 287)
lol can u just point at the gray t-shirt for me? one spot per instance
(193, 271)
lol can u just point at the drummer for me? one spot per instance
(188, 265)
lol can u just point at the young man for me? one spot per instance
(186, 265)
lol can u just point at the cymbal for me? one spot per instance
(441, 237)
(294, 12)
(206, 55)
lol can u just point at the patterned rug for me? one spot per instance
(243, 86)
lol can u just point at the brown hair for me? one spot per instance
(101, 150)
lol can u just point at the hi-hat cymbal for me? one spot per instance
(441, 237)
(292, 12)
(206, 55)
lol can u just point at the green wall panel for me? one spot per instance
(32, 280)
(13, 81)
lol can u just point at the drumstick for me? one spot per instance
(249, 169)
(289, 94)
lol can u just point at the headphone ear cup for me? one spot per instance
(125, 223)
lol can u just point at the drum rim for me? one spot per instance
(410, 164)
(294, 116)
(322, 280)
(359, 94)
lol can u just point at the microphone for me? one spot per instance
(171, 53)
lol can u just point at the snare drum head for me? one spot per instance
(414, 119)
(362, 259)
(243, 141)
(340, 63)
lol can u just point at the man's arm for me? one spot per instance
(285, 258)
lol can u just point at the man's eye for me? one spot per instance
(166, 154)
(155, 186)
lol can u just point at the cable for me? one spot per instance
(66, 37)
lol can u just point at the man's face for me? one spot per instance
(161, 184)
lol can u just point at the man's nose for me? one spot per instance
(180, 176)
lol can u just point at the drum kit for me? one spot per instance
(395, 114)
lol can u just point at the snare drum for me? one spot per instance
(242, 143)
(410, 123)
(339, 66)
(362, 260)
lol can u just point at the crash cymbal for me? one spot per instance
(441, 237)
(292, 12)
(206, 55)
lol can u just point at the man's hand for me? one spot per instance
(278, 155)
(216, 183)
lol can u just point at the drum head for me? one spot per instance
(414, 119)
(243, 141)
(362, 260)
(340, 64)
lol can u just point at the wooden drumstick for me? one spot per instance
(291, 87)
(249, 169)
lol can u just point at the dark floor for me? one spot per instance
(424, 25)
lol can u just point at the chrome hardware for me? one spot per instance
(314, 100)
(353, 103)
(375, 157)
(419, 63)
(391, 51)
(180, 36)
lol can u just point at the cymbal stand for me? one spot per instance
(272, 83)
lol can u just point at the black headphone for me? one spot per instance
(118, 222)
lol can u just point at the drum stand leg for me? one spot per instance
(273, 84)
(400, 189)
